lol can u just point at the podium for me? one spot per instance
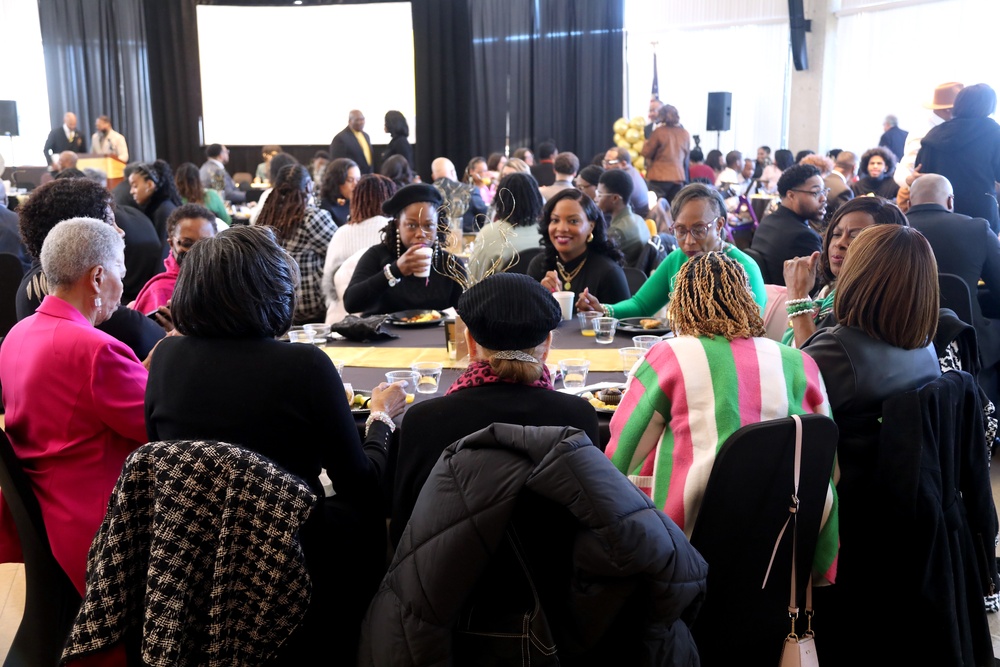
(109, 164)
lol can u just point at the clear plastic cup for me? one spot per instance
(574, 372)
(339, 365)
(645, 342)
(411, 380)
(630, 357)
(301, 336)
(430, 376)
(604, 329)
(586, 319)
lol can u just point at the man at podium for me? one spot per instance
(108, 142)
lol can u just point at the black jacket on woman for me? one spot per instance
(602, 276)
(617, 582)
(966, 151)
(398, 146)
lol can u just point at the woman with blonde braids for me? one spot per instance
(305, 231)
(691, 392)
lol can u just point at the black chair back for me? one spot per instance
(11, 273)
(955, 295)
(635, 278)
(743, 510)
(757, 257)
(51, 601)
(524, 258)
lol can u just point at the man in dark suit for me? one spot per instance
(839, 181)
(654, 110)
(353, 142)
(894, 138)
(787, 232)
(214, 175)
(965, 247)
(64, 138)
(544, 170)
(10, 237)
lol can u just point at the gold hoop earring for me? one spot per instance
(591, 237)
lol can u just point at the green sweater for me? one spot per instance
(655, 292)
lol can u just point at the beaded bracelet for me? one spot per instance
(609, 311)
(799, 308)
(797, 313)
(381, 417)
(792, 302)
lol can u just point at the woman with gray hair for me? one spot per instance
(73, 394)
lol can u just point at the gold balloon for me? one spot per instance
(620, 126)
(638, 122)
(618, 138)
(639, 163)
(638, 144)
(634, 153)
(623, 143)
(633, 135)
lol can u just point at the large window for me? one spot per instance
(736, 46)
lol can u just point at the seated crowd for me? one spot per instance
(98, 366)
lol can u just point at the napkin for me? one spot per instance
(363, 329)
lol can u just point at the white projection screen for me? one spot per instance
(290, 75)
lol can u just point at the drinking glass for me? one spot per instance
(411, 378)
(645, 342)
(586, 318)
(574, 372)
(604, 329)
(430, 376)
(300, 336)
(630, 357)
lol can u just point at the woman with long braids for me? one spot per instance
(304, 230)
(361, 232)
(690, 393)
(389, 276)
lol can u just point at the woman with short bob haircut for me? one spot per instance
(340, 178)
(517, 208)
(228, 379)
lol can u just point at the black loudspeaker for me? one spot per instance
(799, 25)
(719, 108)
(8, 118)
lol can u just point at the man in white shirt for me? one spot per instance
(108, 142)
(940, 106)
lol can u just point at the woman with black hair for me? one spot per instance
(397, 127)
(877, 165)
(397, 170)
(409, 269)
(339, 180)
(577, 253)
(304, 230)
(517, 210)
(152, 187)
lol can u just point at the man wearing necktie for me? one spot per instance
(64, 138)
(353, 142)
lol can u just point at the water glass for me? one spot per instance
(586, 318)
(320, 332)
(574, 372)
(630, 357)
(339, 365)
(410, 379)
(430, 376)
(645, 342)
(300, 336)
(604, 329)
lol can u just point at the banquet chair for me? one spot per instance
(243, 179)
(955, 295)
(51, 601)
(524, 258)
(635, 278)
(745, 505)
(761, 264)
(198, 560)
(11, 272)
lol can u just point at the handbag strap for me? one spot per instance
(793, 509)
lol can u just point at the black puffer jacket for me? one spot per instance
(630, 581)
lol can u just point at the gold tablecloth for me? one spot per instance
(601, 359)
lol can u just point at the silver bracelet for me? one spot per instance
(378, 415)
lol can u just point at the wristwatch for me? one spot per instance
(393, 280)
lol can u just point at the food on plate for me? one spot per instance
(597, 402)
(651, 323)
(360, 402)
(429, 316)
(610, 396)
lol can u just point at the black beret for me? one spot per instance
(411, 194)
(509, 311)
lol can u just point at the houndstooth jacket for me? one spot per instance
(198, 551)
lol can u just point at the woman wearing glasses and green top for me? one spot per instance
(699, 221)
(805, 313)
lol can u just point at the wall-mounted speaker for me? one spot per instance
(8, 118)
(719, 110)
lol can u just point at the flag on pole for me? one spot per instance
(656, 82)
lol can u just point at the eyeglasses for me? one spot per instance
(608, 163)
(698, 232)
(427, 228)
(815, 193)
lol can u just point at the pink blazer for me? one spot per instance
(73, 397)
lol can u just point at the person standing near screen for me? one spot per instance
(108, 142)
(353, 142)
(64, 138)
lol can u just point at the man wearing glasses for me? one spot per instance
(789, 232)
(619, 158)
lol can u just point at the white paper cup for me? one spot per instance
(565, 301)
(425, 251)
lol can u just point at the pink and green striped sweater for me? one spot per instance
(688, 395)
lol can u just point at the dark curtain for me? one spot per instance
(96, 63)
(175, 79)
(443, 63)
(573, 50)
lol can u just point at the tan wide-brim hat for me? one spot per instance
(944, 96)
